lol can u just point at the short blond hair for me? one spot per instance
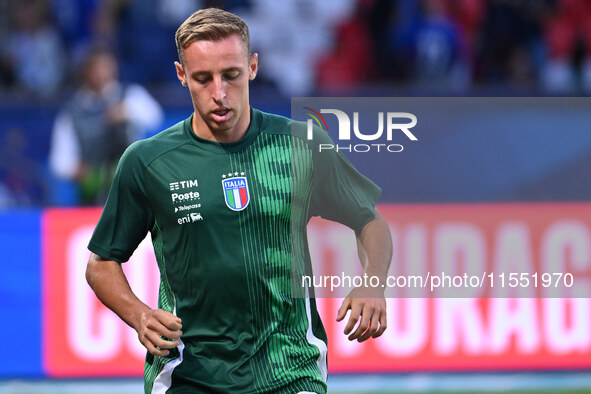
(210, 24)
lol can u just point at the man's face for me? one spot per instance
(217, 75)
(101, 71)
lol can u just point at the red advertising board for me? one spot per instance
(81, 337)
(488, 331)
(539, 328)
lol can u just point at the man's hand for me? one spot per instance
(155, 324)
(373, 316)
(374, 246)
(108, 281)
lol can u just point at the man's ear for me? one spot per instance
(253, 66)
(180, 73)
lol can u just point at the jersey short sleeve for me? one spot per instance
(340, 193)
(127, 217)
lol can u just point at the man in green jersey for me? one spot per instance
(226, 195)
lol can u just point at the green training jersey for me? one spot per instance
(227, 222)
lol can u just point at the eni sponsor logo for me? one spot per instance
(190, 218)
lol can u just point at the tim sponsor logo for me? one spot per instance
(180, 185)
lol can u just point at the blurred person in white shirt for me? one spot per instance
(93, 129)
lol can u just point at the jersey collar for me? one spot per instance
(227, 147)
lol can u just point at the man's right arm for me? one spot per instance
(110, 285)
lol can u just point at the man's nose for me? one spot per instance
(219, 91)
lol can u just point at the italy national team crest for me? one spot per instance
(236, 192)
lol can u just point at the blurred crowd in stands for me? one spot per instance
(314, 46)
(306, 47)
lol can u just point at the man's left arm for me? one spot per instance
(374, 246)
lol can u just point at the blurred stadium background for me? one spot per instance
(62, 341)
